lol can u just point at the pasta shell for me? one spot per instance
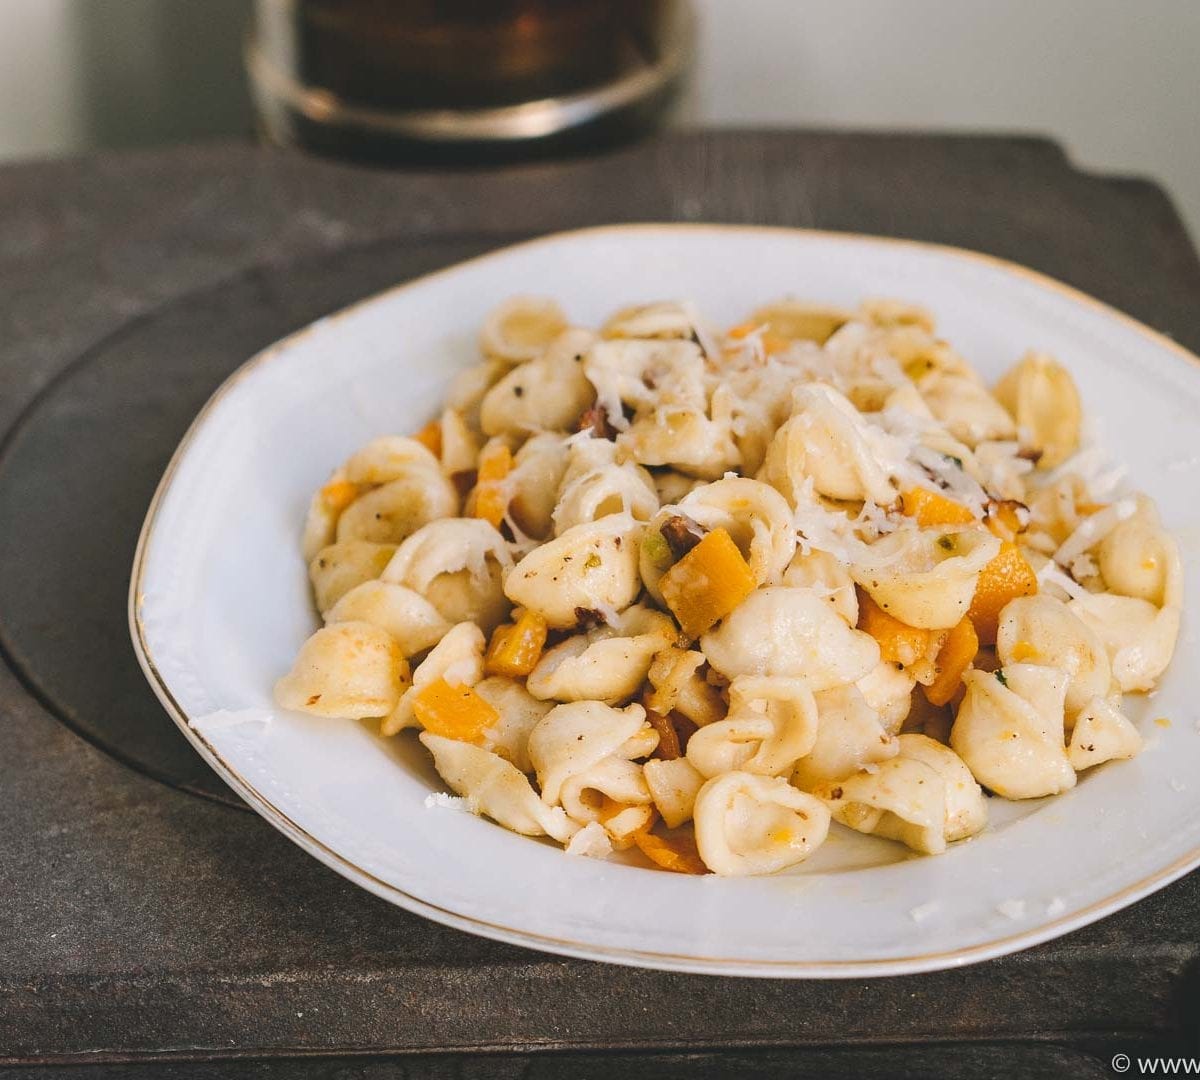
(679, 687)
(609, 489)
(789, 632)
(607, 664)
(457, 658)
(411, 619)
(674, 786)
(519, 713)
(757, 518)
(849, 738)
(747, 824)
(350, 670)
(1138, 637)
(392, 457)
(533, 484)
(458, 565)
(827, 441)
(926, 577)
(614, 778)
(1040, 395)
(1011, 737)
(1102, 734)
(924, 797)
(662, 320)
(338, 568)
(888, 689)
(772, 723)
(591, 567)
(572, 738)
(547, 394)
(1042, 630)
(494, 787)
(967, 410)
(1139, 558)
(827, 576)
(521, 328)
(796, 320)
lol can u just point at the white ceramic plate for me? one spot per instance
(219, 604)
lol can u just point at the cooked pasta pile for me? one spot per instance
(704, 593)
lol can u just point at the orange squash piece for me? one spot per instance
(899, 643)
(932, 508)
(953, 659)
(707, 583)
(1003, 519)
(430, 436)
(516, 648)
(675, 851)
(1005, 578)
(491, 499)
(338, 494)
(455, 712)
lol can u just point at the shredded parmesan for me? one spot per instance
(1092, 529)
(591, 841)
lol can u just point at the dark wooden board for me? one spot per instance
(145, 918)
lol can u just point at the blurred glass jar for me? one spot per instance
(415, 79)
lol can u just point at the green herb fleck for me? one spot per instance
(1000, 677)
(957, 460)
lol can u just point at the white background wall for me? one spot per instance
(1117, 81)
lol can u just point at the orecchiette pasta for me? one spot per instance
(748, 824)
(926, 577)
(1042, 630)
(458, 565)
(691, 596)
(546, 394)
(338, 568)
(673, 785)
(772, 723)
(413, 621)
(1101, 734)
(590, 567)
(924, 797)
(572, 738)
(609, 663)
(350, 669)
(792, 632)
(850, 736)
(755, 515)
(521, 328)
(1009, 731)
(829, 442)
(384, 493)
(494, 787)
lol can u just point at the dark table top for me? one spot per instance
(149, 925)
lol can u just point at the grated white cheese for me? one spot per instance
(442, 800)
(1012, 909)
(591, 841)
(922, 912)
(1050, 574)
(1092, 529)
